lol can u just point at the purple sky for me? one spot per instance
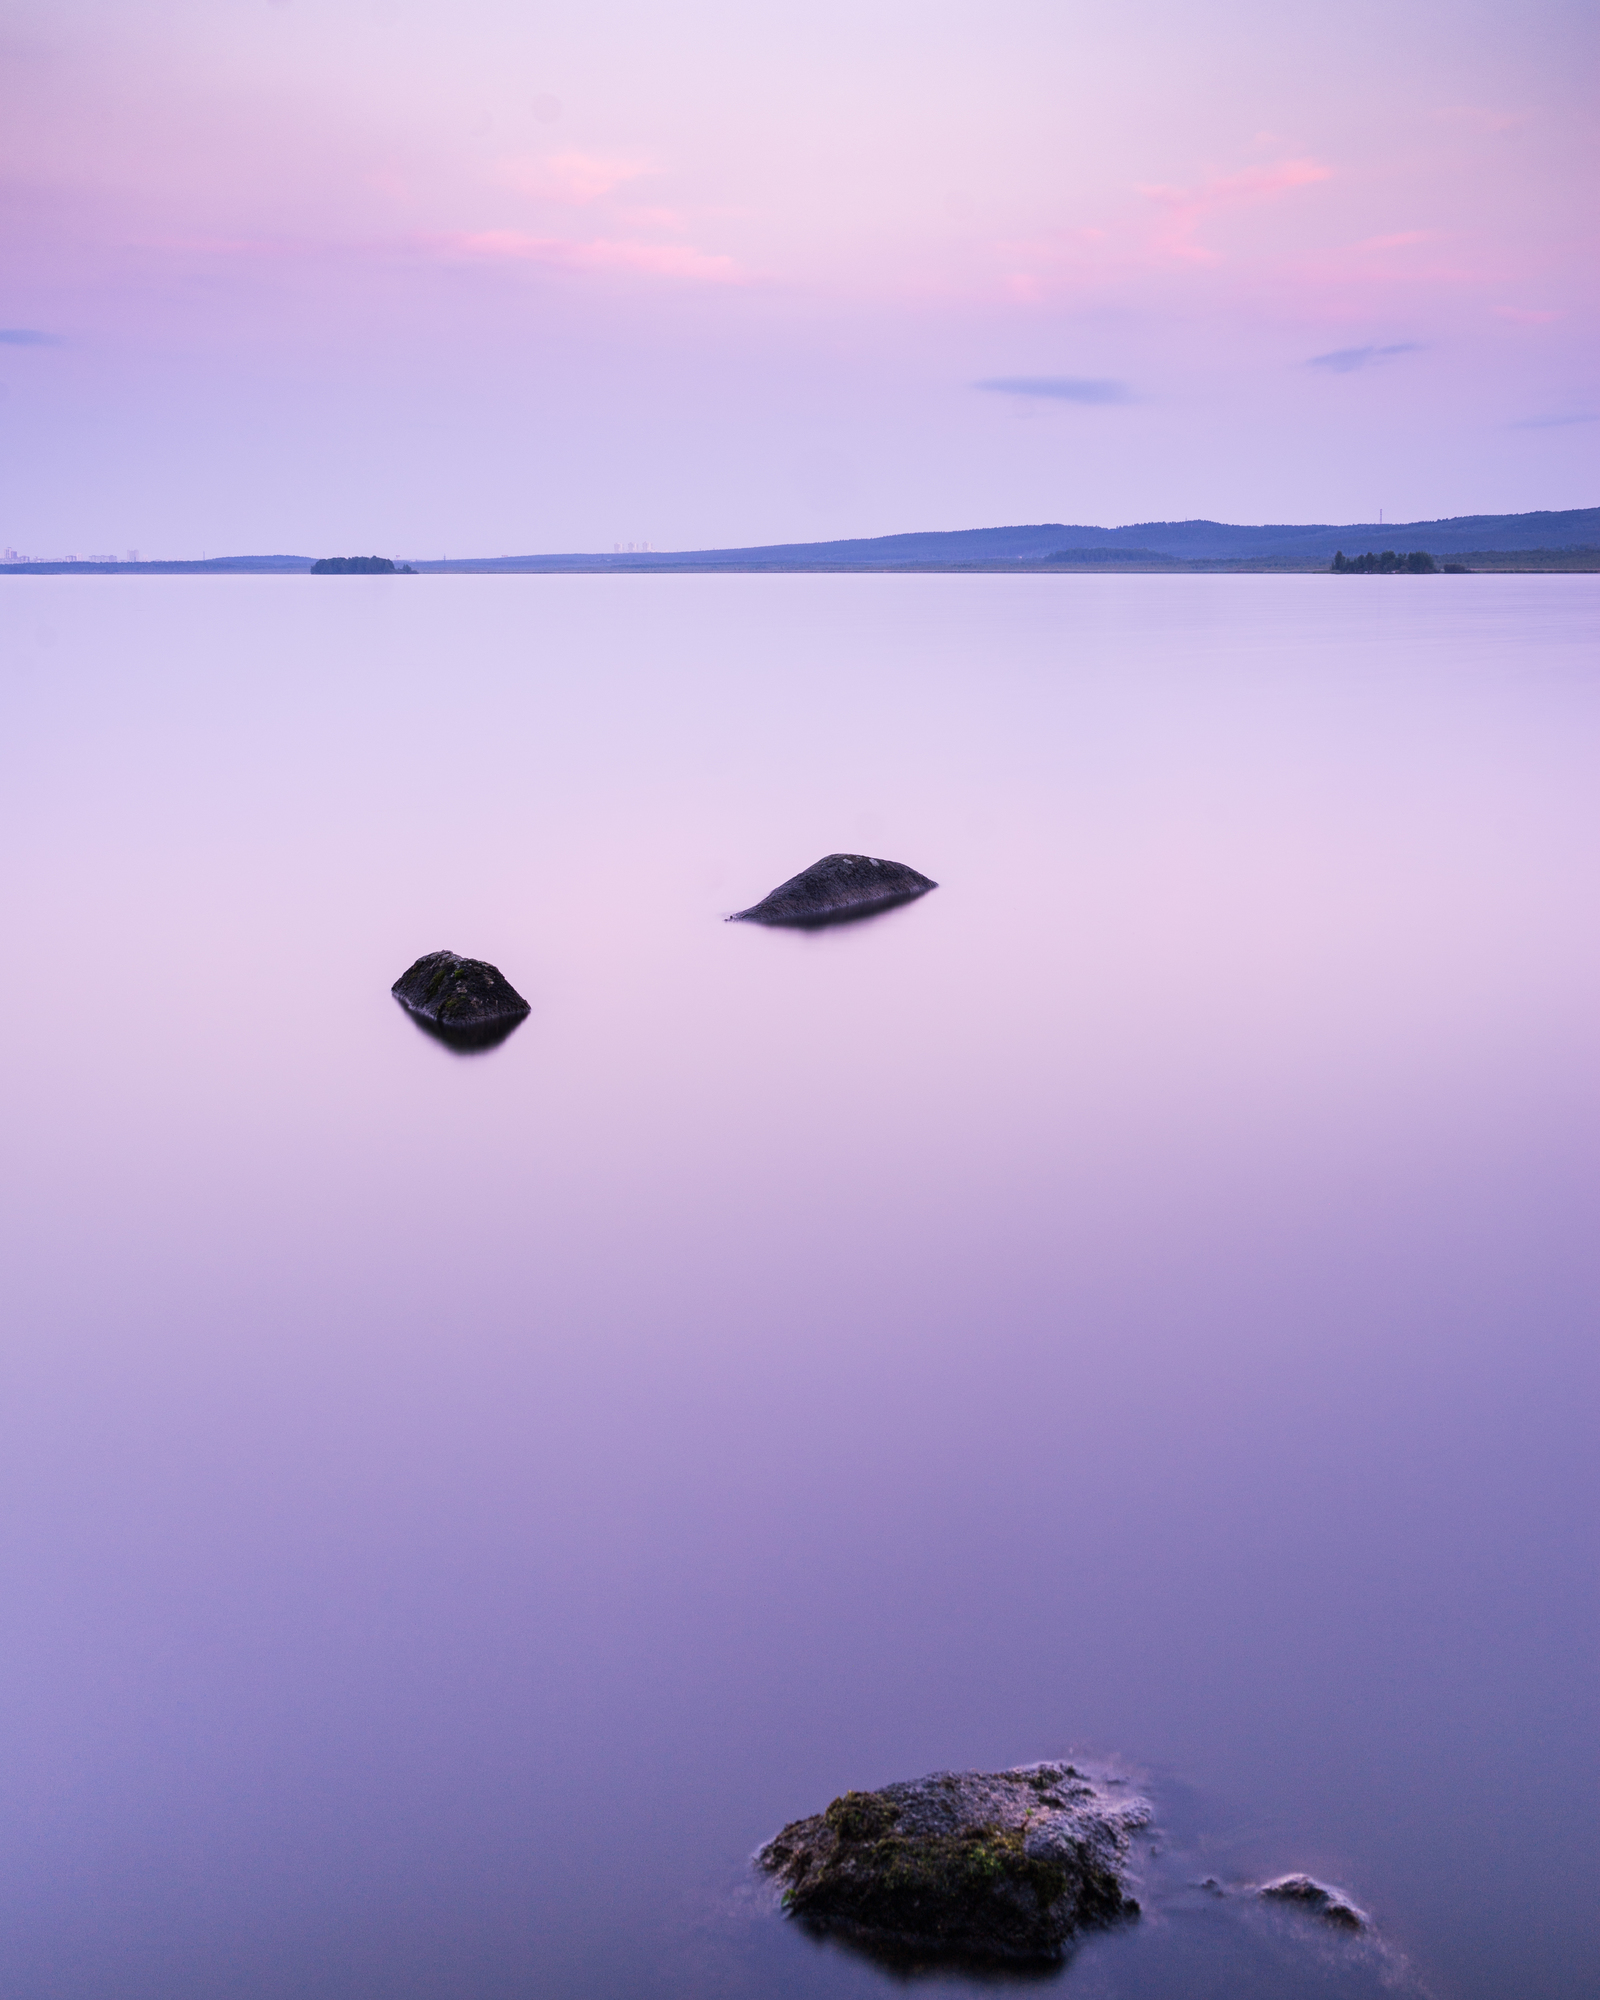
(378, 274)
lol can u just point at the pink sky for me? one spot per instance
(312, 274)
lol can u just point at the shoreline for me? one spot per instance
(1490, 562)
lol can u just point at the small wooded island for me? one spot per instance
(1418, 563)
(360, 566)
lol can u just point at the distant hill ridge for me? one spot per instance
(1157, 542)
(1183, 541)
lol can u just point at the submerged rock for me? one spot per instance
(462, 998)
(1332, 1905)
(1002, 1864)
(837, 886)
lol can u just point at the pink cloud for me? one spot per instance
(573, 178)
(1095, 257)
(1186, 207)
(1366, 273)
(1525, 316)
(1479, 118)
(661, 260)
(1254, 184)
(1040, 265)
(1402, 241)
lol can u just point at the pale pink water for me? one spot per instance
(1140, 1298)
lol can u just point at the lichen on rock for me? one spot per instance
(837, 887)
(464, 999)
(1004, 1864)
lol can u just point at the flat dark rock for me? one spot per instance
(838, 886)
(1001, 1864)
(462, 998)
(1306, 1893)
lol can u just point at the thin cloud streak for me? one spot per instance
(1060, 388)
(661, 260)
(1345, 360)
(27, 336)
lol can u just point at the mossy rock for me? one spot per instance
(463, 999)
(1004, 1864)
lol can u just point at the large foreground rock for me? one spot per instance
(461, 998)
(1001, 1864)
(837, 886)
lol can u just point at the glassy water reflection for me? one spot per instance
(1136, 1300)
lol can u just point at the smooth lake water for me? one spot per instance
(1138, 1301)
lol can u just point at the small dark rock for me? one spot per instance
(838, 886)
(461, 998)
(1332, 1905)
(1004, 1864)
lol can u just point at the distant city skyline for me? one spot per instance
(323, 274)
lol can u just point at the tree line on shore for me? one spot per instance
(1418, 563)
(360, 566)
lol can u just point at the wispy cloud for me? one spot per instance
(1186, 207)
(1527, 316)
(661, 260)
(28, 336)
(1163, 237)
(1062, 388)
(1550, 423)
(574, 179)
(1403, 239)
(1480, 117)
(1345, 360)
(1230, 190)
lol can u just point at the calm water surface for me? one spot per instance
(1138, 1301)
